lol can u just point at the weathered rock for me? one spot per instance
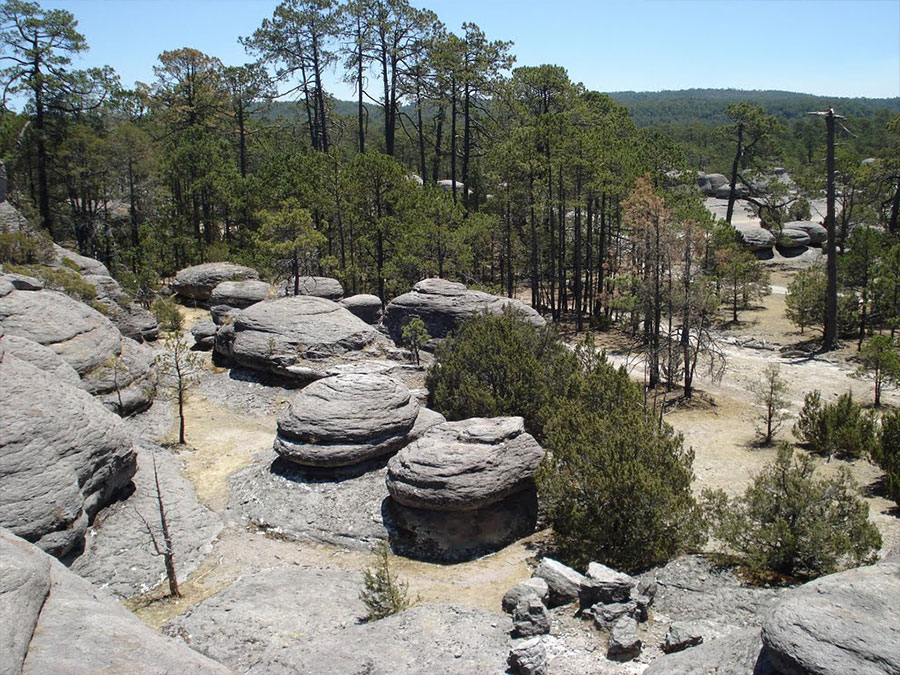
(63, 457)
(607, 615)
(441, 304)
(366, 307)
(841, 623)
(448, 185)
(198, 282)
(723, 191)
(564, 582)
(740, 653)
(10, 219)
(230, 295)
(791, 238)
(204, 333)
(85, 265)
(624, 642)
(530, 618)
(132, 320)
(709, 183)
(347, 419)
(816, 232)
(22, 282)
(605, 585)
(319, 287)
(52, 621)
(294, 337)
(528, 658)
(755, 238)
(465, 465)
(684, 634)
(442, 639)
(534, 587)
(41, 357)
(121, 383)
(642, 605)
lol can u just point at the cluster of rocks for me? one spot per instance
(442, 304)
(716, 185)
(196, 283)
(463, 489)
(802, 233)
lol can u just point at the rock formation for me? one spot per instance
(791, 238)
(366, 307)
(132, 320)
(230, 295)
(755, 238)
(319, 287)
(817, 234)
(197, 282)
(441, 304)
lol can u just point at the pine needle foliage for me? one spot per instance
(383, 592)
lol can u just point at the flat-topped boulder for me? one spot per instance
(320, 287)
(791, 238)
(465, 465)
(841, 623)
(347, 419)
(295, 336)
(366, 307)
(198, 282)
(63, 456)
(442, 304)
(816, 232)
(231, 295)
(755, 238)
(53, 621)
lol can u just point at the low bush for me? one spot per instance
(60, 279)
(794, 524)
(167, 315)
(383, 593)
(19, 248)
(887, 453)
(841, 429)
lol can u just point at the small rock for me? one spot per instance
(529, 658)
(530, 618)
(535, 586)
(683, 634)
(563, 581)
(604, 585)
(642, 605)
(624, 643)
(606, 616)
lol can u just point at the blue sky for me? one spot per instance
(827, 47)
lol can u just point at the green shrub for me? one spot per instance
(59, 279)
(498, 365)
(842, 429)
(887, 453)
(167, 315)
(19, 248)
(792, 523)
(415, 336)
(616, 484)
(383, 593)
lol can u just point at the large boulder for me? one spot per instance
(441, 304)
(52, 621)
(366, 307)
(230, 295)
(791, 238)
(347, 419)
(319, 287)
(564, 582)
(709, 183)
(458, 466)
(842, 623)
(817, 233)
(198, 282)
(63, 456)
(132, 320)
(755, 238)
(296, 336)
(724, 191)
(204, 333)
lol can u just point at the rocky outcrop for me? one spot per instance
(122, 383)
(740, 653)
(534, 587)
(791, 238)
(132, 320)
(65, 257)
(842, 623)
(817, 234)
(349, 419)
(442, 304)
(463, 489)
(204, 333)
(41, 357)
(564, 582)
(366, 307)
(755, 238)
(296, 337)
(230, 295)
(63, 456)
(530, 618)
(528, 658)
(319, 287)
(709, 183)
(52, 621)
(197, 282)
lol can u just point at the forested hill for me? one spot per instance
(649, 108)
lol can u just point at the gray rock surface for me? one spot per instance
(534, 587)
(132, 320)
(441, 304)
(684, 634)
(530, 618)
(624, 642)
(22, 282)
(231, 295)
(204, 333)
(122, 383)
(740, 653)
(607, 615)
(528, 658)
(198, 282)
(443, 639)
(85, 264)
(563, 581)
(815, 231)
(41, 357)
(465, 465)
(10, 218)
(63, 457)
(723, 192)
(755, 238)
(841, 623)
(366, 307)
(52, 621)
(319, 287)
(791, 238)
(605, 585)
(294, 337)
(709, 183)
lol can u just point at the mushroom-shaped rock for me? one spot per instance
(294, 336)
(441, 304)
(464, 465)
(204, 333)
(366, 307)
(53, 621)
(791, 238)
(755, 238)
(319, 287)
(231, 295)
(345, 420)
(816, 232)
(198, 282)
(841, 623)
(63, 456)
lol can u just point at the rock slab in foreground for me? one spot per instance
(52, 621)
(842, 623)
(740, 653)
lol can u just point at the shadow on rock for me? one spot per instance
(309, 474)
